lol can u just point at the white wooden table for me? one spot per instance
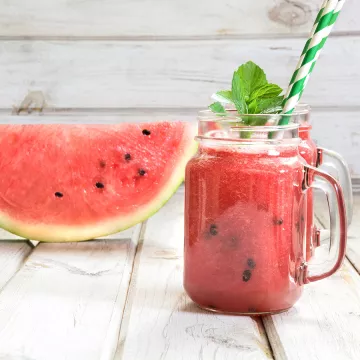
(122, 298)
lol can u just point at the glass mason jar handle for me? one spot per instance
(338, 227)
(333, 159)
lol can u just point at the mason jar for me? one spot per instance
(245, 216)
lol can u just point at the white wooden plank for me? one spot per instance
(165, 74)
(12, 257)
(356, 184)
(164, 323)
(67, 301)
(339, 131)
(324, 324)
(164, 18)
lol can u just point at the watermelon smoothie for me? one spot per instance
(244, 227)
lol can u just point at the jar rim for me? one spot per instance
(237, 133)
(248, 142)
(265, 128)
(233, 115)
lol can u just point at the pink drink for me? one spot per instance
(308, 150)
(245, 216)
(243, 229)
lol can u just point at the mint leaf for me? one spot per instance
(238, 93)
(266, 106)
(252, 77)
(225, 94)
(270, 106)
(217, 108)
(266, 91)
(253, 107)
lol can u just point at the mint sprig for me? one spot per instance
(250, 94)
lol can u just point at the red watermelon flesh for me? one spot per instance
(78, 182)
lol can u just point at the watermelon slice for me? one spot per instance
(79, 182)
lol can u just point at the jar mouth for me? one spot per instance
(265, 128)
(247, 142)
(235, 133)
(301, 110)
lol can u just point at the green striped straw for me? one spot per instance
(307, 44)
(333, 19)
(323, 25)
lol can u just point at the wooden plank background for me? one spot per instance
(170, 74)
(167, 57)
(73, 295)
(187, 18)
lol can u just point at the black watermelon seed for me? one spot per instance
(213, 230)
(251, 263)
(59, 194)
(102, 163)
(302, 218)
(142, 172)
(278, 221)
(99, 185)
(127, 157)
(246, 275)
(146, 132)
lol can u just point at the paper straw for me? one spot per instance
(322, 27)
(331, 25)
(306, 47)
